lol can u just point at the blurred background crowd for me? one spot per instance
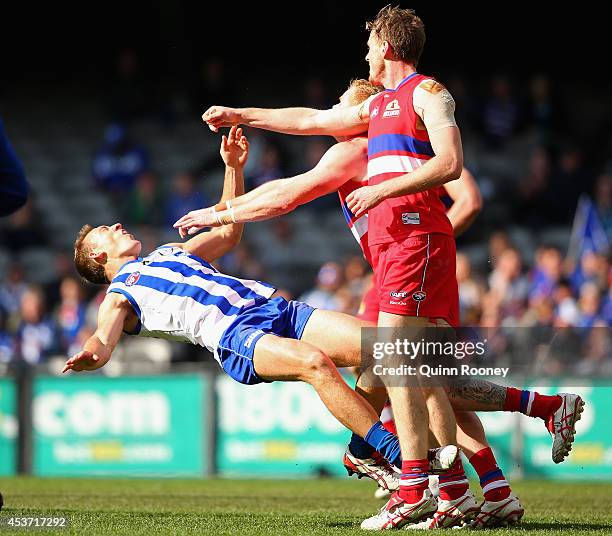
(136, 152)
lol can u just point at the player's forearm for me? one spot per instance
(101, 350)
(304, 121)
(233, 187)
(268, 201)
(462, 214)
(436, 172)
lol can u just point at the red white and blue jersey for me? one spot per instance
(398, 143)
(357, 226)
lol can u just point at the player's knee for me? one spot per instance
(317, 364)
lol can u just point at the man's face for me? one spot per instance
(375, 59)
(115, 241)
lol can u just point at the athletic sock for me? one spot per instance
(385, 442)
(531, 403)
(453, 483)
(360, 448)
(494, 486)
(386, 417)
(413, 480)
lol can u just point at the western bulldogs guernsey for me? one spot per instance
(181, 297)
(357, 226)
(397, 144)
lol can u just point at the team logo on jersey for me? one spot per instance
(411, 218)
(132, 279)
(374, 112)
(419, 296)
(398, 294)
(392, 109)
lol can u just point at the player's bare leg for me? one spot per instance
(278, 358)
(282, 359)
(559, 412)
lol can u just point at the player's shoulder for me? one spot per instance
(114, 300)
(431, 85)
(349, 152)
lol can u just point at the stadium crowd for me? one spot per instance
(511, 287)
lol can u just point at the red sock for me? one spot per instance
(386, 417)
(492, 481)
(531, 403)
(414, 480)
(453, 483)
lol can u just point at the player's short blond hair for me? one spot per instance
(361, 90)
(88, 268)
(402, 29)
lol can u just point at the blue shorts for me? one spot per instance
(277, 316)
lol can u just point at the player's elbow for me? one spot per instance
(473, 204)
(453, 166)
(232, 235)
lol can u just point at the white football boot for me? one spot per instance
(562, 425)
(377, 468)
(502, 513)
(455, 513)
(397, 513)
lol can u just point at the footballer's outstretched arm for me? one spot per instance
(467, 201)
(98, 348)
(216, 243)
(339, 164)
(341, 121)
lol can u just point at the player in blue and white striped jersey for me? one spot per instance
(175, 293)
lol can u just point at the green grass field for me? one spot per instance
(254, 507)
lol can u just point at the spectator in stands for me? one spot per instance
(145, 203)
(70, 313)
(119, 162)
(184, 197)
(323, 296)
(12, 290)
(546, 273)
(589, 303)
(470, 292)
(499, 241)
(7, 341)
(593, 269)
(566, 308)
(501, 113)
(508, 284)
(603, 200)
(37, 334)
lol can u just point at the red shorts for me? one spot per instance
(416, 277)
(368, 308)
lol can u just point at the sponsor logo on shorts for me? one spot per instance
(132, 279)
(419, 296)
(398, 294)
(251, 338)
(392, 109)
(411, 218)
